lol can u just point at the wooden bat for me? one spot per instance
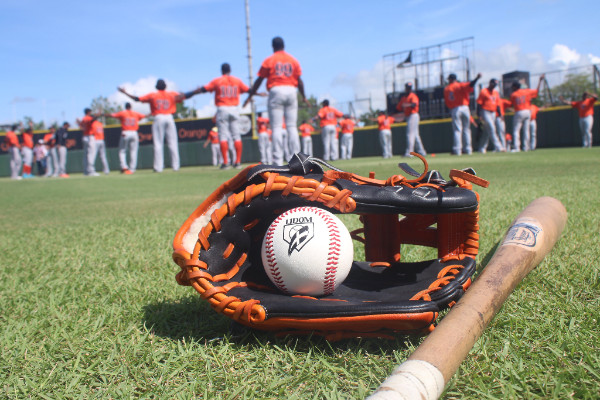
(425, 373)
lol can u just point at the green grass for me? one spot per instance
(89, 307)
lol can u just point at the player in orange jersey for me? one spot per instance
(409, 106)
(282, 72)
(585, 107)
(328, 117)
(52, 158)
(227, 89)
(306, 130)
(456, 97)
(163, 104)
(503, 104)
(27, 151)
(89, 142)
(129, 139)
(347, 143)
(488, 104)
(213, 139)
(14, 148)
(384, 125)
(521, 102)
(100, 145)
(264, 141)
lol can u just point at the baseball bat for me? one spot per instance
(429, 368)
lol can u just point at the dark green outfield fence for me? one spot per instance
(557, 127)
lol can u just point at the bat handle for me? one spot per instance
(530, 237)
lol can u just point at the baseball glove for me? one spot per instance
(219, 248)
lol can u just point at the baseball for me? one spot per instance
(307, 251)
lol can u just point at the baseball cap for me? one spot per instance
(452, 76)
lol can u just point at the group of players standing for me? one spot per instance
(283, 75)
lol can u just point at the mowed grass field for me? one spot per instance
(89, 307)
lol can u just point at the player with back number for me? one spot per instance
(521, 102)
(129, 139)
(282, 72)
(456, 97)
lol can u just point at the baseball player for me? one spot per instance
(213, 139)
(162, 106)
(27, 151)
(487, 108)
(227, 89)
(409, 105)
(264, 141)
(533, 127)
(306, 130)
(328, 119)
(456, 97)
(503, 104)
(521, 102)
(52, 159)
(129, 140)
(89, 142)
(282, 72)
(62, 134)
(347, 126)
(14, 148)
(585, 107)
(100, 145)
(384, 125)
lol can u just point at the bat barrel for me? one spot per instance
(529, 239)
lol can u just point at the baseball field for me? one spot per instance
(89, 306)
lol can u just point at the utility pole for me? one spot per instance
(250, 75)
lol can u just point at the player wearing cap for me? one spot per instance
(347, 144)
(384, 125)
(328, 119)
(409, 106)
(456, 97)
(61, 135)
(213, 139)
(27, 151)
(52, 158)
(129, 139)
(100, 145)
(306, 130)
(89, 142)
(227, 89)
(488, 104)
(521, 102)
(14, 148)
(282, 72)
(163, 104)
(585, 107)
(264, 141)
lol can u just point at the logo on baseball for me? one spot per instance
(307, 251)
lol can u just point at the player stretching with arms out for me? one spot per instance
(129, 139)
(456, 97)
(162, 107)
(282, 72)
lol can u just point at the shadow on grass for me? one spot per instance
(192, 318)
(486, 259)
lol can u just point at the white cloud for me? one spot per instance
(564, 56)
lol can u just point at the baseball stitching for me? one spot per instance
(333, 251)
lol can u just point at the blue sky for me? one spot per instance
(59, 55)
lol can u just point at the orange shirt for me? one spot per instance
(347, 125)
(534, 111)
(584, 107)
(262, 124)
(11, 139)
(213, 136)
(329, 115)
(86, 125)
(457, 94)
(489, 101)
(504, 104)
(49, 139)
(409, 98)
(98, 130)
(385, 122)
(280, 69)
(162, 102)
(227, 90)
(306, 130)
(521, 99)
(28, 139)
(129, 119)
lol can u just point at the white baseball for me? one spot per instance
(307, 251)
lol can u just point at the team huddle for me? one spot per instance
(278, 137)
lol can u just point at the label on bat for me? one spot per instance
(524, 232)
